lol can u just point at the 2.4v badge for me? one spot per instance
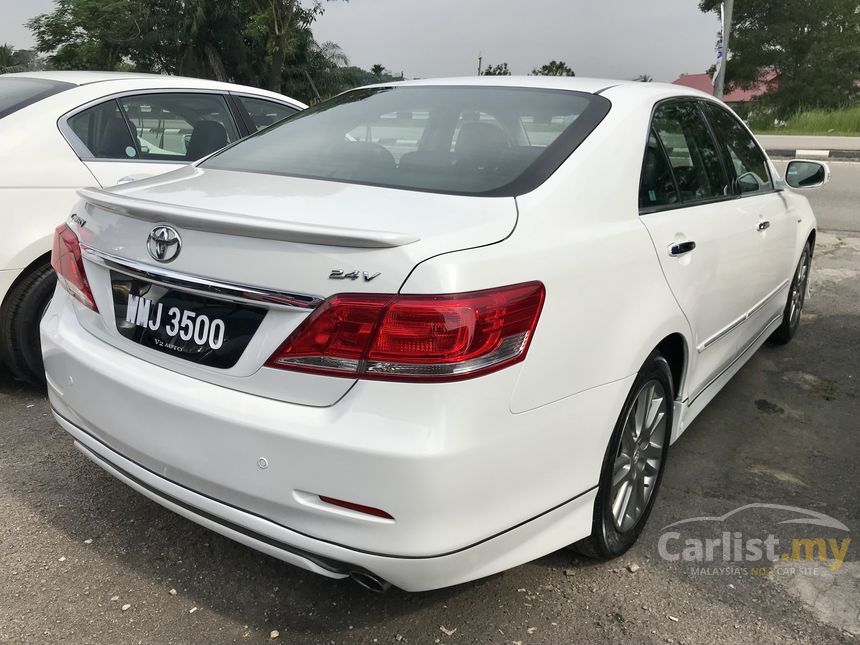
(163, 244)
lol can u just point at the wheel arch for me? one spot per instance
(675, 350)
(39, 261)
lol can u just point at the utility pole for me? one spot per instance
(720, 79)
(480, 62)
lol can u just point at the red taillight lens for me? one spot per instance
(409, 338)
(69, 265)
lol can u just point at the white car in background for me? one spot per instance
(425, 332)
(61, 131)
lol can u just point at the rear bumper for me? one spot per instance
(518, 545)
(473, 489)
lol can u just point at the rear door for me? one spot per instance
(706, 246)
(138, 136)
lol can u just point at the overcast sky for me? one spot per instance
(422, 38)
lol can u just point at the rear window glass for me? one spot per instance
(18, 92)
(458, 140)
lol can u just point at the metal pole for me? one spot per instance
(720, 81)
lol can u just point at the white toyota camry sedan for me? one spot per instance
(61, 131)
(425, 332)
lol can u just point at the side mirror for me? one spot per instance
(803, 174)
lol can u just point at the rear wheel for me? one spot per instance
(796, 299)
(22, 310)
(633, 466)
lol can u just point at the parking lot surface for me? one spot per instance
(84, 559)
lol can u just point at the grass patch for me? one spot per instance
(844, 122)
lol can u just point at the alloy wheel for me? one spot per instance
(798, 289)
(640, 454)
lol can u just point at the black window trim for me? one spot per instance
(54, 87)
(84, 154)
(702, 202)
(708, 105)
(535, 175)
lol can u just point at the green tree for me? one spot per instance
(7, 59)
(18, 60)
(814, 48)
(378, 71)
(497, 70)
(553, 68)
(644, 78)
(265, 43)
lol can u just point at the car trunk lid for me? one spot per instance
(260, 252)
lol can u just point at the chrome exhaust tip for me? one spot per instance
(370, 581)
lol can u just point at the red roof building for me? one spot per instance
(704, 83)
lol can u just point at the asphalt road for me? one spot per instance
(84, 559)
(837, 205)
(774, 141)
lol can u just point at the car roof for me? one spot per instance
(572, 83)
(148, 81)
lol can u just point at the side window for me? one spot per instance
(264, 113)
(748, 161)
(104, 132)
(179, 127)
(657, 186)
(692, 153)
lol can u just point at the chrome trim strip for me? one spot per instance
(202, 286)
(736, 323)
(734, 360)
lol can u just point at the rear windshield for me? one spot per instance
(458, 140)
(18, 92)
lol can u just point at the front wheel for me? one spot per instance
(796, 299)
(633, 465)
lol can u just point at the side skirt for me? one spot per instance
(691, 408)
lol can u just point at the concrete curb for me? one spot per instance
(836, 155)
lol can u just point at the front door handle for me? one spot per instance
(681, 248)
(763, 225)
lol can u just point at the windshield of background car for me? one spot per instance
(18, 92)
(457, 140)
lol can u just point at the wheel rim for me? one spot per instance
(798, 289)
(640, 455)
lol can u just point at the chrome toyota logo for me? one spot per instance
(163, 244)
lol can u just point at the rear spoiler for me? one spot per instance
(243, 225)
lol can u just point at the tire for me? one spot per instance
(611, 536)
(796, 299)
(22, 310)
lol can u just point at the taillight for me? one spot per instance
(415, 337)
(69, 265)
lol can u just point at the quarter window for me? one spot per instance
(104, 132)
(748, 161)
(179, 127)
(693, 156)
(264, 113)
(657, 186)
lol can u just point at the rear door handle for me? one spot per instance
(681, 248)
(763, 225)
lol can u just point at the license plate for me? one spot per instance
(202, 330)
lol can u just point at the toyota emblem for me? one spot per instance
(163, 244)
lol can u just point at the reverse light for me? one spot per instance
(415, 337)
(67, 262)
